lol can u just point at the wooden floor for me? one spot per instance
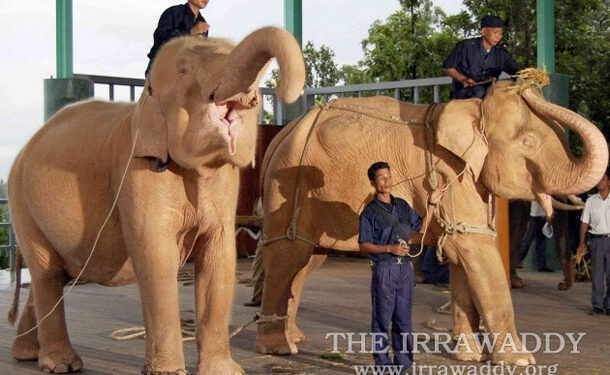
(336, 299)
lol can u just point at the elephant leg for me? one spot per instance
(284, 261)
(56, 354)
(490, 292)
(214, 282)
(26, 348)
(292, 331)
(465, 316)
(156, 263)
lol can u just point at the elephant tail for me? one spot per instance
(12, 313)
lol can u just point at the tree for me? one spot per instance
(411, 43)
(320, 67)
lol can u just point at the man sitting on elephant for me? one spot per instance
(385, 224)
(178, 20)
(478, 60)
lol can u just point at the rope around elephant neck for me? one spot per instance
(99, 233)
(448, 223)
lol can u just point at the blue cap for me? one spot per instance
(491, 21)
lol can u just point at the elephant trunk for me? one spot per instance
(246, 63)
(572, 176)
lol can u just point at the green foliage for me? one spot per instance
(320, 67)
(412, 43)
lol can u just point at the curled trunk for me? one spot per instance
(572, 175)
(247, 60)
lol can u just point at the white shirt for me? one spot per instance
(597, 214)
(536, 209)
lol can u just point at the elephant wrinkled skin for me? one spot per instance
(198, 111)
(510, 145)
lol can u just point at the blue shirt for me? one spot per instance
(470, 58)
(175, 21)
(377, 229)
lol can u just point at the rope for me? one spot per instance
(99, 233)
(448, 224)
(291, 231)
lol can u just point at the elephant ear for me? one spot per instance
(458, 131)
(152, 135)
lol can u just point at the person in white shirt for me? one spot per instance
(596, 220)
(534, 233)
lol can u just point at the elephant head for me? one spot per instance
(201, 99)
(516, 146)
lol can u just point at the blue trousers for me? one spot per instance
(534, 233)
(600, 272)
(392, 295)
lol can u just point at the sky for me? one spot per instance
(112, 38)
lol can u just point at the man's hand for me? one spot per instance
(399, 250)
(582, 249)
(468, 82)
(200, 27)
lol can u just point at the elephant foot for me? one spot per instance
(220, 367)
(518, 359)
(60, 362)
(470, 353)
(470, 357)
(516, 282)
(26, 348)
(275, 343)
(296, 335)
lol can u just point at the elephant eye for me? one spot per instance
(528, 142)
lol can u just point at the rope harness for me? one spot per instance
(444, 216)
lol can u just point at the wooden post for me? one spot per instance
(503, 239)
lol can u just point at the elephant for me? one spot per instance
(170, 163)
(315, 184)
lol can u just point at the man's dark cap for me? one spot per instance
(491, 21)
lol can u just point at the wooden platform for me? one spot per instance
(94, 311)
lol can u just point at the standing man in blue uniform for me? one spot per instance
(385, 224)
(176, 21)
(479, 59)
(596, 219)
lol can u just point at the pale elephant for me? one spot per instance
(315, 185)
(197, 115)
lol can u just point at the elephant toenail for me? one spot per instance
(61, 368)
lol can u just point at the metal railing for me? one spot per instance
(112, 82)
(308, 99)
(10, 246)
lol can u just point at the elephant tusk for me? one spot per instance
(564, 206)
(575, 200)
(546, 203)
